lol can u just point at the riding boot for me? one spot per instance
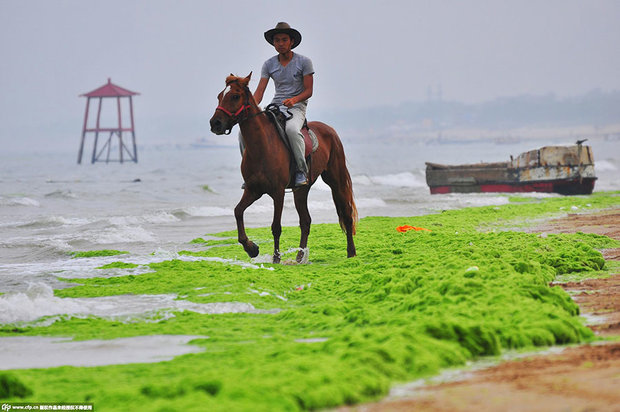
(300, 179)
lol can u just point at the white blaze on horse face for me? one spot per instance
(225, 92)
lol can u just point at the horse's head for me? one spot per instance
(233, 103)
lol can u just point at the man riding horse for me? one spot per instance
(266, 161)
(292, 75)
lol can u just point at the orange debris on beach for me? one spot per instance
(406, 228)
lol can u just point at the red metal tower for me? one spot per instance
(109, 90)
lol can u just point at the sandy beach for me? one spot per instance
(579, 378)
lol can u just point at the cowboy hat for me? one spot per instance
(283, 27)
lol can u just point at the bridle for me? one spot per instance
(243, 110)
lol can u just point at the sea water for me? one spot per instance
(51, 206)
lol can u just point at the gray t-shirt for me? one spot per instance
(289, 79)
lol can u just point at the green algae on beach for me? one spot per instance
(98, 253)
(119, 265)
(342, 330)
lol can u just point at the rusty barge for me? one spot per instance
(568, 170)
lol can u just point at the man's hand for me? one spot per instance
(305, 95)
(289, 102)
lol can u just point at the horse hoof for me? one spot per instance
(252, 250)
(351, 252)
(302, 256)
(276, 259)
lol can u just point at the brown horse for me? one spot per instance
(265, 167)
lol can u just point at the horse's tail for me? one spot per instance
(338, 178)
(350, 199)
(354, 216)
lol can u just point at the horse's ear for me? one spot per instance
(245, 81)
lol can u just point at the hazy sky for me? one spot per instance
(177, 54)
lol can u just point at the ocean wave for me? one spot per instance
(460, 200)
(61, 194)
(53, 221)
(605, 165)
(122, 234)
(370, 202)
(363, 180)
(57, 221)
(321, 205)
(405, 179)
(363, 202)
(154, 217)
(43, 247)
(18, 201)
(39, 302)
(321, 185)
(204, 211)
(266, 206)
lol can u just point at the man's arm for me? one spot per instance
(306, 94)
(260, 89)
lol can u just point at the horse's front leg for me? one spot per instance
(246, 200)
(301, 204)
(276, 225)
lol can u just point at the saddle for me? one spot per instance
(311, 142)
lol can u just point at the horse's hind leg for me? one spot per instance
(301, 204)
(246, 200)
(342, 193)
(276, 225)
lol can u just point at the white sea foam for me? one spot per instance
(122, 234)
(207, 211)
(482, 201)
(39, 301)
(321, 205)
(455, 201)
(370, 203)
(270, 293)
(25, 352)
(230, 262)
(265, 206)
(361, 180)
(311, 340)
(61, 194)
(58, 245)
(83, 268)
(605, 165)
(70, 221)
(404, 179)
(160, 217)
(321, 185)
(18, 201)
(55, 221)
(155, 217)
(55, 244)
